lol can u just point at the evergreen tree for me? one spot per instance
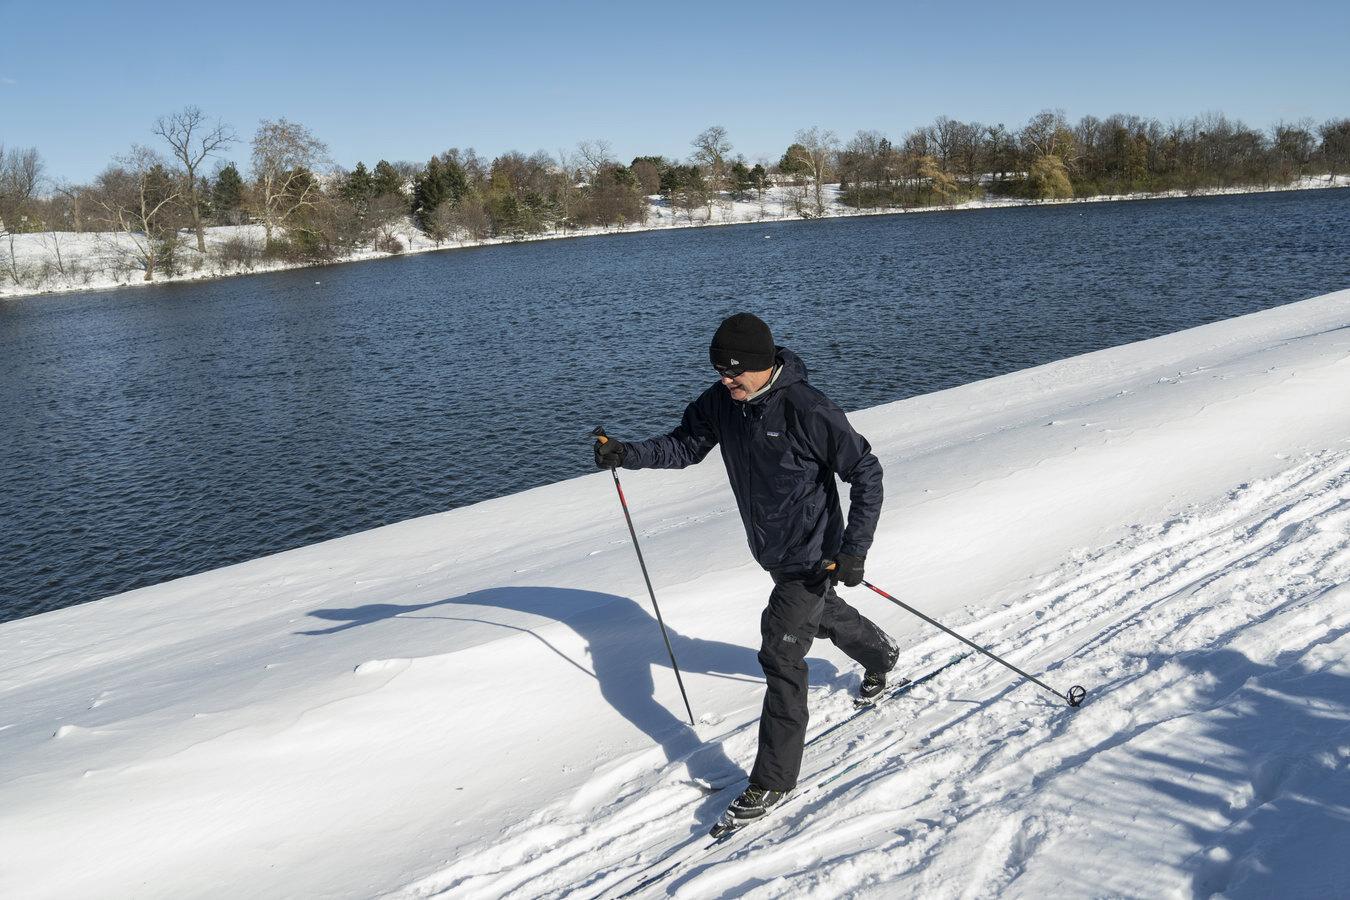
(387, 180)
(428, 192)
(440, 182)
(359, 186)
(227, 195)
(685, 188)
(675, 178)
(741, 182)
(795, 161)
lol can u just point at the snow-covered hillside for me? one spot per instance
(478, 703)
(67, 261)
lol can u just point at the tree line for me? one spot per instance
(1050, 158)
(159, 200)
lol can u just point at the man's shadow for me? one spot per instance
(625, 648)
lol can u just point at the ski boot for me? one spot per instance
(752, 804)
(874, 681)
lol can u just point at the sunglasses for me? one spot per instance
(729, 371)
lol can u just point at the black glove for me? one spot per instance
(848, 569)
(609, 453)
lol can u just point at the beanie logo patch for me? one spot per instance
(735, 362)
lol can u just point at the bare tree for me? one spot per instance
(1001, 151)
(946, 137)
(193, 140)
(969, 151)
(466, 220)
(814, 149)
(1048, 134)
(285, 158)
(20, 175)
(59, 213)
(647, 170)
(1335, 148)
(1097, 140)
(565, 193)
(864, 165)
(591, 157)
(136, 197)
(71, 201)
(615, 198)
(711, 149)
(1294, 145)
(51, 242)
(796, 199)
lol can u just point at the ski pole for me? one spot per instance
(1075, 695)
(600, 435)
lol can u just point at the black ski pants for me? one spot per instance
(802, 606)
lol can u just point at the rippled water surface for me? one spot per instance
(157, 432)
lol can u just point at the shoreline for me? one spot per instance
(410, 235)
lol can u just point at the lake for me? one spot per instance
(156, 432)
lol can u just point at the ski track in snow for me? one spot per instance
(1214, 743)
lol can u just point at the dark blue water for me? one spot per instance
(157, 432)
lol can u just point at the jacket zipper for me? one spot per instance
(749, 457)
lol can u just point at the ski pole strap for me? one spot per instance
(1075, 695)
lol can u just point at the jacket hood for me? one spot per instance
(793, 370)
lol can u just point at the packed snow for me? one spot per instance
(479, 704)
(74, 261)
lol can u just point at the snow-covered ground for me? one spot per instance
(70, 261)
(478, 703)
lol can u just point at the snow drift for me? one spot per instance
(478, 703)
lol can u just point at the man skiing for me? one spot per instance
(783, 443)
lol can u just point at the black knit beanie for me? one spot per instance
(743, 341)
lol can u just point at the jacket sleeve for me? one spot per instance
(689, 443)
(847, 454)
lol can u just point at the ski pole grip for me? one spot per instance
(599, 434)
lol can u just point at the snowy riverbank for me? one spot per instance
(478, 702)
(68, 261)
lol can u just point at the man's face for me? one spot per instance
(743, 385)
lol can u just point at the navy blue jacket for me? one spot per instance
(782, 451)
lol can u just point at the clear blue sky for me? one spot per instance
(82, 81)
